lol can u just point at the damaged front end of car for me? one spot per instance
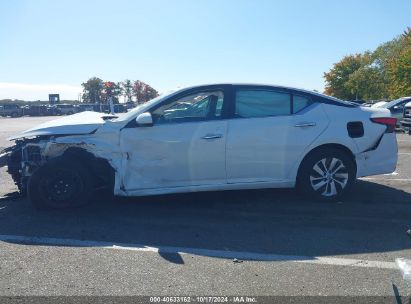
(20, 160)
(27, 155)
(88, 140)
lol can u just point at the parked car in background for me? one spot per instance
(358, 101)
(396, 108)
(378, 104)
(36, 110)
(223, 137)
(406, 120)
(103, 108)
(11, 110)
(86, 107)
(120, 108)
(65, 109)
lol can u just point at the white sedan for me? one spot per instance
(210, 137)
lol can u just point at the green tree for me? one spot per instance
(380, 74)
(399, 69)
(127, 87)
(336, 79)
(92, 90)
(367, 83)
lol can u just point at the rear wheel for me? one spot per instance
(60, 183)
(326, 174)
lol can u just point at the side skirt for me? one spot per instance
(201, 188)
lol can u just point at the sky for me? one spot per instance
(49, 46)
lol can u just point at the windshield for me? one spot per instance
(392, 103)
(140, 108)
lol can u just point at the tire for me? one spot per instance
(60, 183)
(70, 113)
(14, 114)
(326, 174)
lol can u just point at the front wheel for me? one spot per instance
(326, 174)
(60, 183)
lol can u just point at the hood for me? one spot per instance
(80, 123)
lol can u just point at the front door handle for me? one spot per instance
(212, 136)
(305, 124)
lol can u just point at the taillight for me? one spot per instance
(390, 122)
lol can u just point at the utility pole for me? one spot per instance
(110, 101)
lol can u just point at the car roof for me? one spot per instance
(251, 84)
(396, 101)
(305, 91)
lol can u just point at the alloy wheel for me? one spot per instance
(329, 176)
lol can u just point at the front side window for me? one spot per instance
(261, 103)
(194, 107)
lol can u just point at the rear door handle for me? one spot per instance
(305, 124)
(212, 136)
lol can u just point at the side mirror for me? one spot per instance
(144, 119)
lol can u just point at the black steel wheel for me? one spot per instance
(60, 183)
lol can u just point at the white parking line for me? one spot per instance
(386, 179)
(393, 173)
(202, 252)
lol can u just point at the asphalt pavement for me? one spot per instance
(256, 242)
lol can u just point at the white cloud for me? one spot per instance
(26, 91)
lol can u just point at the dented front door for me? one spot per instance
(173, 155)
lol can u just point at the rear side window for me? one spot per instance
(261, 103)
(299, 103)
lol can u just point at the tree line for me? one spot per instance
(95, 90)
(384, 73)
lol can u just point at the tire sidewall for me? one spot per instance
(35, 191)
(303, 179)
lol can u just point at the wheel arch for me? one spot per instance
(100, 168)
(329, 146)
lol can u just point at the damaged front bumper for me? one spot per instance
(27, 155)
(21, 159)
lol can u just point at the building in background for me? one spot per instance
(54, 98)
